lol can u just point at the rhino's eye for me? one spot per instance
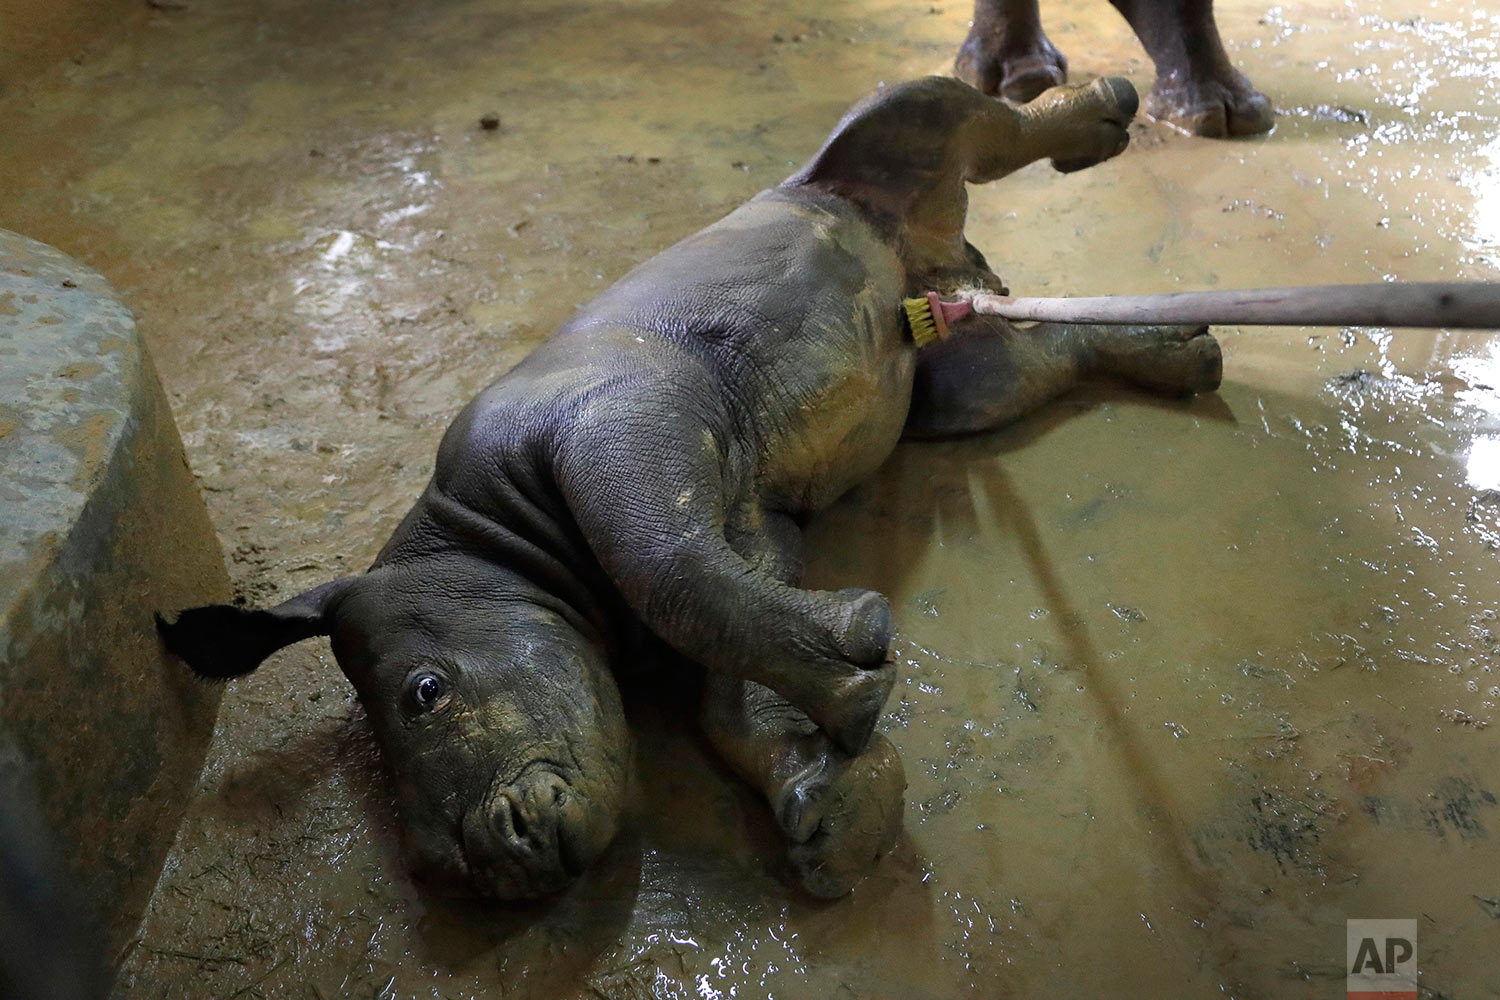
(426, 691)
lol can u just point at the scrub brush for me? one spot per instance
(1431, 305)
(929, 317)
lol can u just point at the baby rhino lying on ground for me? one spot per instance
(654, 463)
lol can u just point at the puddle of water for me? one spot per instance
(1184, 686)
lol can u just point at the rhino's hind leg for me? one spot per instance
(911, 149)
(1171, 360)
(991, 373)
(647, 489)
(840, 812)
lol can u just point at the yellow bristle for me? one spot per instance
(919, 317)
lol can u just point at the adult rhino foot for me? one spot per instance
(1016, 68)
(1173, 360)
(1220, 107)
(843, 814)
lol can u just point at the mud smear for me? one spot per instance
(1185, 686)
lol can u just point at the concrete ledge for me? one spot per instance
(101, 525)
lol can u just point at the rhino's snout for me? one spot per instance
(528, 838)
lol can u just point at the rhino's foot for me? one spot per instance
(1015, 65)
(847, 704)
(849, 714)
(1214, 106)
(842, 815)
(1173, 360)
(1084, 125)
(864, 635)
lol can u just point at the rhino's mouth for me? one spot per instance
(527, 837)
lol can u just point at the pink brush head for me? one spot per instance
(944, 313)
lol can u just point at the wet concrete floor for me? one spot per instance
(1185, 686)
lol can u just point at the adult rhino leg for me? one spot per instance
(841, 812)
(1197, 88)
(1007, 53)
(645, 484)
(991, 373)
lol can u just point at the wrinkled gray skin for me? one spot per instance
(654, 463)
(1197, 87)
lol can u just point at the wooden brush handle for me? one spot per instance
(1451, 305)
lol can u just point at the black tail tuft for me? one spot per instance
(220, 641)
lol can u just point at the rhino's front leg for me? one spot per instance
(841, 812)
(645, 481)
(991, 373)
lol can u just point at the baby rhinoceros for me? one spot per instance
(654, 463)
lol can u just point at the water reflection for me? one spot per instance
(1483, 464)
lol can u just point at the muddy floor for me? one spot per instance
(1185, 685)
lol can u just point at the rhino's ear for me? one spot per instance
(223, 641)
